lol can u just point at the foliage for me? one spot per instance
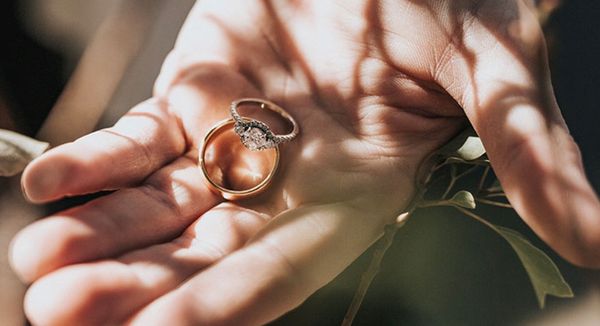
(462, 156)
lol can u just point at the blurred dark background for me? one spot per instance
(443, 268)
(31, 74)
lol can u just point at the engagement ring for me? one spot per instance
(255, 134)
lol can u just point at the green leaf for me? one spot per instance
(543, 273)
(471, 149)
(464, 199)
(402, 218)
(457, 142)
(465, 146)
(16, 151)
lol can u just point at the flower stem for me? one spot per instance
(495, 194)
(484, 175)
(493, 203)
(383, 245)
(453, 179)
(477, 217)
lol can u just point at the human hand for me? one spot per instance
(376, 86)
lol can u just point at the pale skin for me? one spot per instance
(376, 86)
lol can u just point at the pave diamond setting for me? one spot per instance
(255, 135)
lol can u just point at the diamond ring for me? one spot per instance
(255, 134)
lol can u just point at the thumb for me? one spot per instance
(507, 95)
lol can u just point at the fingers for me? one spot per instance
(142, 141)
(122, 287)
(297, 253)
(508, 97)
(156, 211)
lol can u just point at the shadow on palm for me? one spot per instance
(374, 94)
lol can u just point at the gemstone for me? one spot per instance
(255, 138)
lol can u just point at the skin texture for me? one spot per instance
(376, 86)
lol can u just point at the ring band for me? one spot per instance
(255, 134)
(225, 192)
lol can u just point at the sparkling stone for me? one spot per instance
(255, 139)
(239, 128)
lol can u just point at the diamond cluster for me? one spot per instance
(254, 136)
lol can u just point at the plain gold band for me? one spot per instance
(231, 194)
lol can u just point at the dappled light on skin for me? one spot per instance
(351, 171)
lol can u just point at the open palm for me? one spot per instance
(376, 86)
